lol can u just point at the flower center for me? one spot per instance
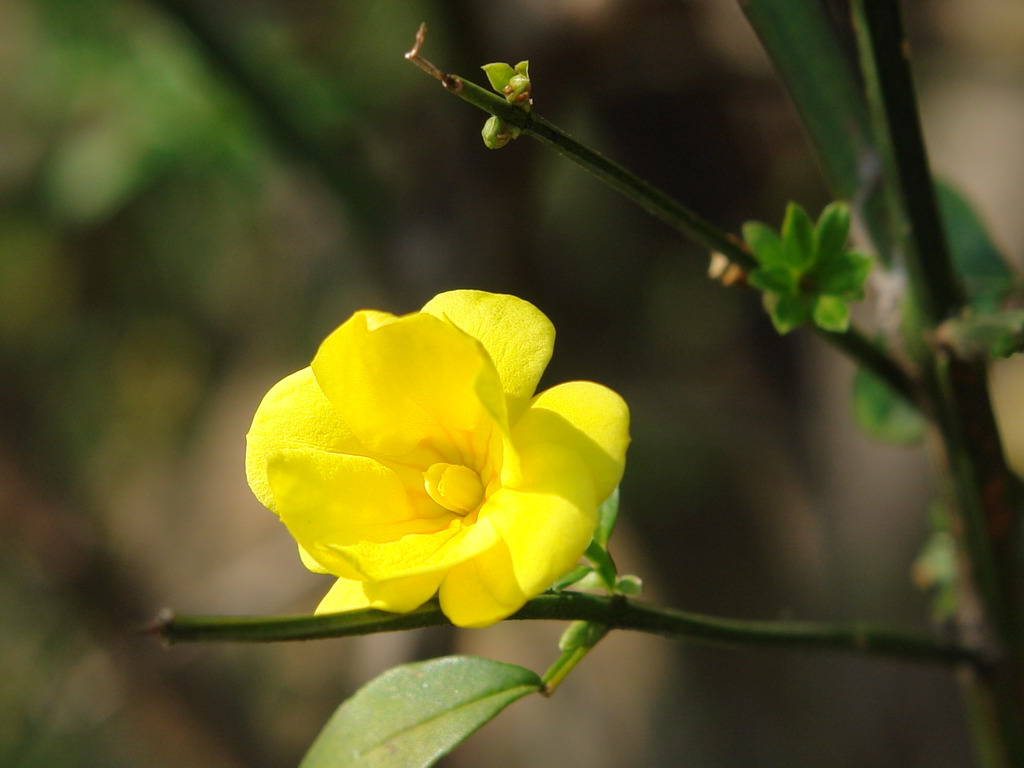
(455, 487)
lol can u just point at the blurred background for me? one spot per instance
(193, 194)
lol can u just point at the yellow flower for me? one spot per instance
(412, 458)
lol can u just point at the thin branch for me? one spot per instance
(988, 495)
(853, 342)
(885, 63)
(858, 638)
(870, 356)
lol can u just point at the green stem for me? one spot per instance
(985, 489)
(852, 342)
(647, 196)
(885, 63)
(859, 638)
(570, 657)
(987, 494)
(856, 346)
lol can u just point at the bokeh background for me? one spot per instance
(192, 194)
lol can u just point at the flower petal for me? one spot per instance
(331, 500)
(310, 562)
(345, 595)
(589, 419)
(482, 591)
(397, 596)
(548, 520)
(402, 595)
(417, 555)
(400, 381)
(293, 413)
(518, 336)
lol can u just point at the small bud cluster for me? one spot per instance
(514, 84)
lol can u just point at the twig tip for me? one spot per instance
(160, 623)
(421, 34)
(450, 82)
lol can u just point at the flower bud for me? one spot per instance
(517, 90)
(581, 634)
(497, 133)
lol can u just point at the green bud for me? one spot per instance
(512, 83)
(497, 133)
(581, 634)
(517, 90)
(629, 585)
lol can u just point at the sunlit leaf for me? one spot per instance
(498, 74)
(413, 715)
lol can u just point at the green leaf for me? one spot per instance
(797, 238)
(832, 231)
(630, 584)
(831, 314)
(572, 577)
(843, 275)
(607, 514)
(788, 312)
(498, 74)
(764, 243)
(883, 414)
(413, 715)
(775, 279)
(808, 52)
(604, 567)
(808, 44)
(976, 259)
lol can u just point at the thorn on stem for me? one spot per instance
(450, 82)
